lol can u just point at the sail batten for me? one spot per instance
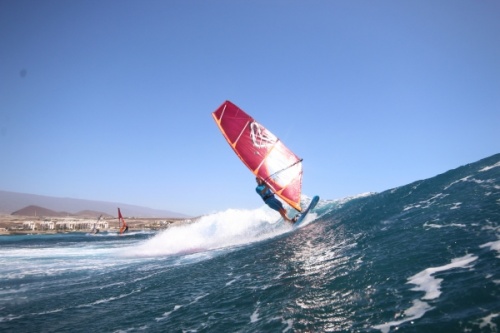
(241, 133)
(262, 152)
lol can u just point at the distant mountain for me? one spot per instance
(37, 211)
(12, 202)
(33, 210)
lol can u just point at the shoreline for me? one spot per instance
(30, 225)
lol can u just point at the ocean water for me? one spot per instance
(424, 257)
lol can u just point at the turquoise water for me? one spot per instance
(424, 257)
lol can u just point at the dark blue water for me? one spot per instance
(424, 257)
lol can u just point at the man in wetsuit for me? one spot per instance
(268, 196)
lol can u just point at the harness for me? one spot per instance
(267, 196)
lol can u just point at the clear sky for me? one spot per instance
(112, 100)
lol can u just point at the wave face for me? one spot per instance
(418, 258)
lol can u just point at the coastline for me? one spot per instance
(31, 225)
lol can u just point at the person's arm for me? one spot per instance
(264, 188)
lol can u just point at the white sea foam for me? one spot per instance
(494, 246)
(497, 164)
(438, 226)
(418, 309)
(426, 203)
(425, 281)
(340, 202)
(10, 317)
(177, 307)
(255, 315)
(488, 321)
(457, 181)
(220, 230)
(232, 281)
(472, 180)
(53, 261)
(166, 314)
(106, 300)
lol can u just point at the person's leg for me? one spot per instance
(278, 206)
(283, 214)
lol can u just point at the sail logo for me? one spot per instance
(261, 138)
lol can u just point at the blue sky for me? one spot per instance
(112, 100)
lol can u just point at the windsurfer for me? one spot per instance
(268, 196)
(121, 221)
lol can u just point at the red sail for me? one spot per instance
(121, 222)
(262, 152)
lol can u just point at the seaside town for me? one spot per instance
(22, 214)
(16, 225)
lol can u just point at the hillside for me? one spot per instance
(37, 211)
(33, 210)
(11, 202)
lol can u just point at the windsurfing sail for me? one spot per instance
(121, 223)
(94, 230)
(262, 152)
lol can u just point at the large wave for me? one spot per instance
(224, 229)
